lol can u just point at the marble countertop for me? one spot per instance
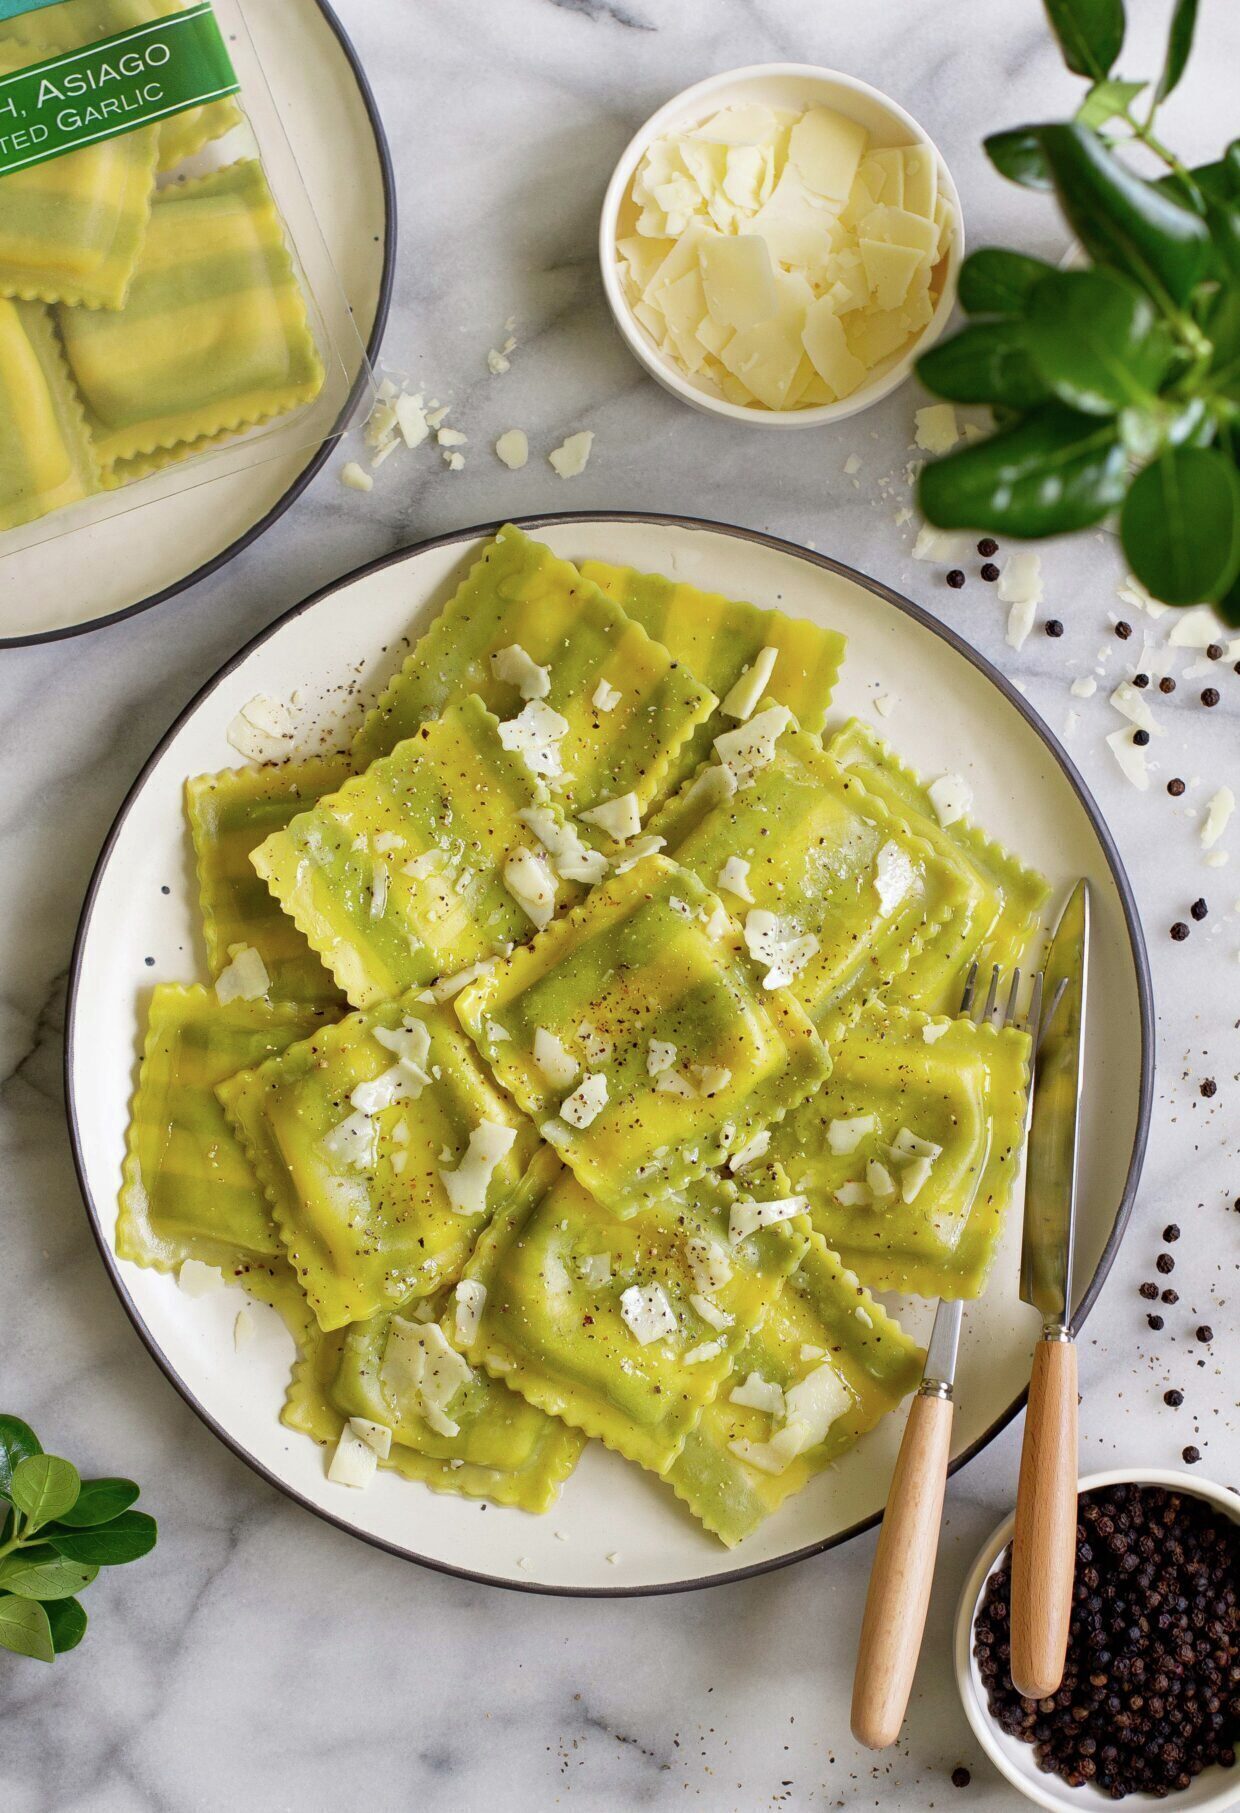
(260, 1659)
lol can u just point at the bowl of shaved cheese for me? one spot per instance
(779, 243)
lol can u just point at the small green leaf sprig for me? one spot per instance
(1115, 388)
(56, 1531)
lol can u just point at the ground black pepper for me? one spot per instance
(987, 546)
(990, 572)
(955, 579)
(1175, 787)
(1151, 1689)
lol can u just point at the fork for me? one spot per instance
(898, 1599)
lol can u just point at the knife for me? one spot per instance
(903, 1571)
(1044, 1544)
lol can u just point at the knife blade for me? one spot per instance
(1054, 1130)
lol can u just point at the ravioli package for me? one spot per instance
(168, 307)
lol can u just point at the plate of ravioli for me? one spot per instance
(514, 1065)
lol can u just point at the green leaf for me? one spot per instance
(1096, 341)
(1090, 33)
(1018, 155)
(986, 362)
(40, 1573)
(126, 1538)
(25, 1630)
(1228, 606)
(99, 1501)
(1148, 430)
(1179, 44)
(44, 1487)
(17, 1442)
(1053, 472)
(994, 281)
(68, 1624)
(1181, 525)
(1124, 222)
(1106, 100)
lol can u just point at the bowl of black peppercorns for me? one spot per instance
(1149, 1706)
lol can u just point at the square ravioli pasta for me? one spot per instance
(911, 1152)
(820, 1371)
(230, 814)
(626, 1329)
(71, 228)
(602, 709)
(189, 1191)
(71, 24)
(635, 1034)
(1002, 899)
(418, 868)
(213, 338)
(45, 455)
(453, 1427)
(383, 1149)
(729, 644)
(836, 894)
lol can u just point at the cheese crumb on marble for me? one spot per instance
(571, 458)
(1218, 815)
(1020, 581)
(356, 478)
(512, 449)
(1020, 622)
(935, 428)
(1130, 758)
(1084, 688)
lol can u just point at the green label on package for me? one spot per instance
(117, 85)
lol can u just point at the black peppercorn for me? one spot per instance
(1171, 1232)
(1170, 1295)
(990, 572)
(987, 546)
(1166, 684)
(955, 579)
(1149, 1291)
(1174, 1398)
(1192, 1455)
(1209, 1087)
(961, 1777)
(1215, 652)
(1123, 630)
(1210, 696)
(1165, 1263)
(1155, 1322)
(1054, 627)
(1140, 738)
(1205, 1333)
(1175, 788)
(1199, 909)
(1179, 931)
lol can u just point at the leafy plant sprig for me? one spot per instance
(1116, 387)
(56, 1531)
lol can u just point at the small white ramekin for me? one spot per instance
(791, 85)
(1212, 1791)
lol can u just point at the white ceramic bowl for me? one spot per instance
(1212, 1791)
(791, 85)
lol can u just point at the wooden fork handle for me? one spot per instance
(1044, 1545)
(900, 1580)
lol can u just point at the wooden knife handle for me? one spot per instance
(900, 1580)
(1044, 1546)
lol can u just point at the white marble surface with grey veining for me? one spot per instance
(260, 1660)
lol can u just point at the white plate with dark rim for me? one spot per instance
(615, 1529)
(105, 571)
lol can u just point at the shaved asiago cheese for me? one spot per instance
(826, 147)
(936, 428)
(810, 1408)
(595, 1268)
(620, 818)
(471, 1296)
(606, 696)
(467, 1186)
(513, 667)
(776, 944)
(1197, 628)
(583, 1107)
(447, 986)
(535, 735)
(744, 697)
(380, 877)
(748, 1216)
(854, 1195)
(1020, 581)
(263, 729)
(1084, 688)
(512, 449)
(570, 857)
(1218, 815)
(354, 1461)
(647, 1313)
(198, 1279)
(355, 477)
(244, 979)
(634, 852)
(738, 280)
(751, 1151)
(353, 1142)
(596, 1045)
(705, 1350)
(756, 1393)
(1129, 700)
(893, 877)
(529, 880)
(375, 1435)
(660, 1056)
(570, 459)
(828, 350)
(908, 1144)
(845, 1135)
(913, 1177)
(709, 1311)
(670, 1082)
(419, 1364)
(934, 1030)
(713, 785)
(951, 796)
(946, 546)
(709, 1079)
(709, 1264)
(751, 746)
(1131, 758)
(1020, 622)
(558, 1065)
(734, 877)
(878, 1179)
